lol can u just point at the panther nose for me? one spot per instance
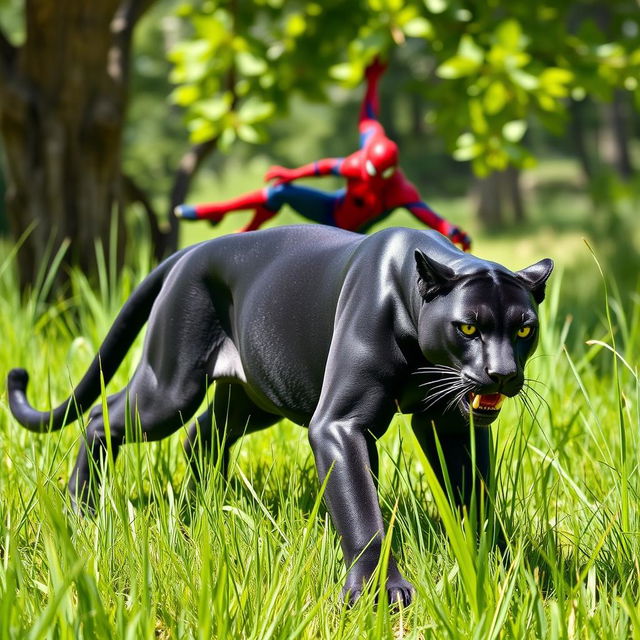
(501, 378)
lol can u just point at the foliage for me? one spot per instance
(244, 61)
(496, 65)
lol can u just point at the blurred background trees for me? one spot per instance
(64, 81)
(114, 106)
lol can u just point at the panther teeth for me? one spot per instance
(489, 402)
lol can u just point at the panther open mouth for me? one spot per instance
(485, 407)
(487, 402)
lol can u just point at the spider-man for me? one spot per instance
(375, 185)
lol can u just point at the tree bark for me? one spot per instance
(63, 97)
(488, 200)
(578, 130)
(187, 169)
(513, 191)
(499, 198)
(614, 135)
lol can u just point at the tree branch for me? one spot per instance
(122, 26)
(135, 9)
(188, 167)
(8, 51)
(133, 193)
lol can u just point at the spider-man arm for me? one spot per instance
(368, 124)
(349, 167)
(405, 195)
(423, 212)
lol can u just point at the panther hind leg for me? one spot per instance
(231, 415)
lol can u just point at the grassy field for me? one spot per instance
(257, 558)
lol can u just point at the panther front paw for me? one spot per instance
(399, 590)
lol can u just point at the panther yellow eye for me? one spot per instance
(524, 332)
(468, 329)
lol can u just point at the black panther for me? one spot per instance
(335, 331)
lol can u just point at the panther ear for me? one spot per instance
(432, 276)
(535, 278)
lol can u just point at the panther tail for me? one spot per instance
(132, 317)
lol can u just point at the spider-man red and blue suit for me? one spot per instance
(375, 185)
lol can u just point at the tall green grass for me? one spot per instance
(257, 558)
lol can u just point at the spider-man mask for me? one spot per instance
(381, 157)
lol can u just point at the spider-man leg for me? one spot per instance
(215, 211)
(317, 206)
(313, 204)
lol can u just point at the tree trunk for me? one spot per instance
(513, 192)
(489, 200)
(63, 96)
(187, 169)
(614, 135)
(579, 130)
(499, 198)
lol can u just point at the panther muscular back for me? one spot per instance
(331, 329)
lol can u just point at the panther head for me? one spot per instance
(478, 325)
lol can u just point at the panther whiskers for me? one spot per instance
(449, 381)
(436, 368)
(449, 384)
(458, 398)
(459, 392)
(526, 403)
(528, 388)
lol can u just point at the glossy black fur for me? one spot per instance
(328, 328)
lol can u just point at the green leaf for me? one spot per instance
(495, 97)
(216, 31)
(214, 109)
(201, 129)
(248, 133)
(546, 102)
(468, 153)
(469, 49)
(497, 159)
(524, 80)
(249, 64)
(556, 75)
(185, 95)
(255, 110)
(476, 117)
(480, 167)
(295, 25)
(346, 72)
(465, 139)
(190, 51)
(514, 131)
(457, 67)
(436, 6)
(509, 35)
(418, 28)
(554, 81)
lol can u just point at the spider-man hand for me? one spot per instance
(459, 237)
(279, 174)
(375, 69)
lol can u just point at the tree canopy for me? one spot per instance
(489, 71)
(489, 67)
